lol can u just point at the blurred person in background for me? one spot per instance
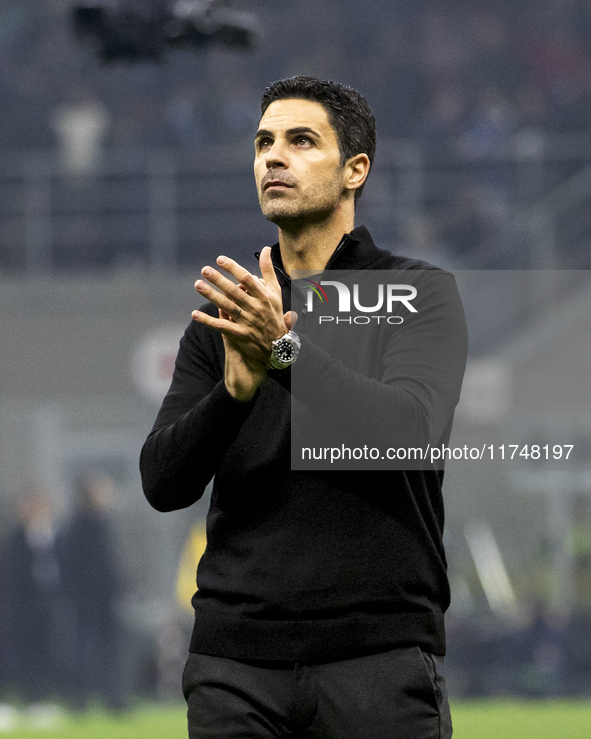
(93, 584)
(32, 603)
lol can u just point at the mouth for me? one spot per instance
(279, 184)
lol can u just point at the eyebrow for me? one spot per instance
(262, 132)
(290, 132)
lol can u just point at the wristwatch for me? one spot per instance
(284, 351)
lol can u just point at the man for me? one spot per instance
(321, 594)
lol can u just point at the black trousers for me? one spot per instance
(399, 694)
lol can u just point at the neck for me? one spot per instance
(310, 246)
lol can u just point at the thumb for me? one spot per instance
(290, 319)
(267, 269)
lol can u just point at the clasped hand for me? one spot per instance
(251, 313)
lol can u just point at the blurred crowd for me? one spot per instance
(459, 76)
(477, 88)
(543, 655)
(59, 588)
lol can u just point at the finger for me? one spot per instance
(226, 316)
(243, 287)
(230, 317)
(223, 325)
(290, 319)
(259, 280)
(219, 299)
(251, 282)
(228, 287)
(267, 269)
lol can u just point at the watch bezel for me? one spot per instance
(293, 340)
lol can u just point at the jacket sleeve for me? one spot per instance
(409, 398)
(197, 422)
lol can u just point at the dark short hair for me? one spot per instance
(348, 112)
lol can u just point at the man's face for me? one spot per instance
(297, 163)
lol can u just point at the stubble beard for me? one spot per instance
(293, 216)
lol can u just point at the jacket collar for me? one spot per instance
(356, 250)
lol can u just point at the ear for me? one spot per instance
(356, 171)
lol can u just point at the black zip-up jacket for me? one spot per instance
(317, 565)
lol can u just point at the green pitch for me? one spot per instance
(522, 720)
(472, 720)
(154, 722)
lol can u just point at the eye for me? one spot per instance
(303, 140)
(264, 142)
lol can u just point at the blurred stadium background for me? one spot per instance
(120, 180)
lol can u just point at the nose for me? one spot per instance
(276, 155)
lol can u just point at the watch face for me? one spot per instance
(284, 350)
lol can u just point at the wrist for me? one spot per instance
(241, 392)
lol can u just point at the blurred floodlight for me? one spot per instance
(124, 31)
